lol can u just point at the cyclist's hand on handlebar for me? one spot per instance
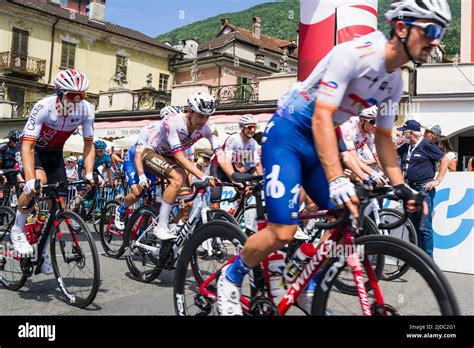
(407, 194)
(143, 181)
(212, 181)
(30, 188)
(342, 191)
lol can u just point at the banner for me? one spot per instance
(320, 30)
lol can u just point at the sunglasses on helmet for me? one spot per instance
(432, 31)
(74, 97)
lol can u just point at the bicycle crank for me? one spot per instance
(384, 310)
(262, 306)
(203, 304)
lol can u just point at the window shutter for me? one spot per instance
(64, 55)
(72, 56)
(16, 41)
(24, 43)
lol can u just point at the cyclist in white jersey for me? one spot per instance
(242, 151)
(356, 145)
(51, 122)
(164, 155)
(300, 144)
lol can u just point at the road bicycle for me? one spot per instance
(339, 258)
(10, 188)
(73, 255)
(90, 206)
(147, 256)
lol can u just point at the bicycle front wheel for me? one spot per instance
(422, 290)
(75, 260)
(111, 237)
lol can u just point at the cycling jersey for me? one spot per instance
(354, 139)
(104, 161)
(146, 133)
(50, 130)
(242, 153)
(8, 156)
(350, 78)
(173, 136)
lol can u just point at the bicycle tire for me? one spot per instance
(212, 230)
(131, 251)
(9, 267)
(59, 240)
(220, 214)
(107, 236)
(412, 238)
(423, 266)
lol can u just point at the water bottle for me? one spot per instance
(276, 264)
(30, 230)
(304, 253)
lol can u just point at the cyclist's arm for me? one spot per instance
(110, 176)
(388, 156)
(88, 135)
(89, 156)
(137, 160)
(28, 158)
(352, 162)
(259, 169)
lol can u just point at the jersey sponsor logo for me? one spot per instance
(365, 45)
(367, 49)
(274, 187)
(330, 86)
(305, 95)
(32, 120)
(365, 103)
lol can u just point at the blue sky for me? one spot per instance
(154, 17)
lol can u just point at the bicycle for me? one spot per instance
(90, 206)
(147, 256)
(11, 188)
(70, 253)
(372, 294)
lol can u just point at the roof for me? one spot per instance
(265, 41)
(66, 14)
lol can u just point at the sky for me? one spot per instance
(155, 17)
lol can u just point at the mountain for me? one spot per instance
(280, 19)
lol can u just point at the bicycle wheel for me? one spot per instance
(142, 263)
(11, 273)
(111, 238)
(423, 290)
(96, 214)
(406, 232)
(226, 240)
(75, 260)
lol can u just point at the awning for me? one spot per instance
(120, 129)
(228, 124)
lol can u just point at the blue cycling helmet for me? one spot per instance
(100, 145)
(14, 136)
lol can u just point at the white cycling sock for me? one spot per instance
(20, 220)
(164, 214)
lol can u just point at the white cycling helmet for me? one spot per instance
(369, 113)
(71, 80)
(169, 110)
(418, 9)
(202, 103)
(246, 120)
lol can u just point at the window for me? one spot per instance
(244, 89)
(273, 65)
(121, 64)
(64, 3)
(68, 55)
(164, 78)
(20, 47)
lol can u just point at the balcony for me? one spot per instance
(235, 94)
(150, 99)
(25, 65)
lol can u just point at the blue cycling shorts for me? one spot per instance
(131, 171)
(290, 162)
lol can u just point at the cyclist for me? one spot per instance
(241, 149)
(9, 154)
(357, 147)
(301, 144)
(164, 156)
(136, 176)
(51, 122)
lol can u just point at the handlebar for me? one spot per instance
(9, 172)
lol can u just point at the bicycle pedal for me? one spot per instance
(262, 306)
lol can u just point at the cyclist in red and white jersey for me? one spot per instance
(357, 145)
(51, 122)
(165, 158)
(300, 144)
(241, 149)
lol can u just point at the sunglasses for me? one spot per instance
(372, 122)
(432, 31)
(250, 128)
(74, 97)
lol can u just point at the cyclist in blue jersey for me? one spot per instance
(102, 158)
(300, 144)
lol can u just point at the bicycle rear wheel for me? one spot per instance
(75, 260)
(422, 290)
(96, 214)
(226, 240)
(112, 239)
(142, 263)
(11, 273)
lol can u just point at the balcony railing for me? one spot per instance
(235, 94)
(10, 62)
(150, 99)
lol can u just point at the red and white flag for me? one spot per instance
(325, 23)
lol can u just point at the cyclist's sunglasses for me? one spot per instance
(74, 97)
(432, 31)
(371, 121)
(250, 128)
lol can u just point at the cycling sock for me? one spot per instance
(20, 220)
(164, 214)
(237, 271)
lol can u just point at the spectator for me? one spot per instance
(418, 160)
(470, 166)
(432, 133)
(445, 146)
(71, 168)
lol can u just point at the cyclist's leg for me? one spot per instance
(216, 192)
